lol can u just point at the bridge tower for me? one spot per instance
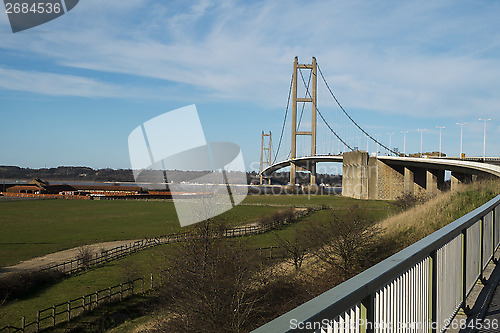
(265, 154)
(311, 98)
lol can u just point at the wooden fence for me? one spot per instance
(78, 265)
(63, 312)
(85, 261)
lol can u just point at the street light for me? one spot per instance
(461, 136)
(404, 142)
(390, 143)
(484, 143)
(440, 128)
(421, 132)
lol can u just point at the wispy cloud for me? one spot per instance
(55, 84)
(428, 59)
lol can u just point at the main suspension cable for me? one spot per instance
(319, 112)
(348, 116)
(284, 120)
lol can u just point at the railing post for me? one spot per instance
(109, 295)
(368, 314)
(38, 321)
(493, 235)
(151, 281)
(481, 250)
(69, 310)
(83, 303)
(23, 321)
(464, 271)
(433, 292)
(121, 292)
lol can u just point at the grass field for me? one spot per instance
(33, 228)
(313, 200)
(113, 273)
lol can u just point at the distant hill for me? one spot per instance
(86, 174)
(66, 173)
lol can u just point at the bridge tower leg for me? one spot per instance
(265, 154)
(311, 98)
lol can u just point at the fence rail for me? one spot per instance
(78, 265)
(419, 289)
(64, 312)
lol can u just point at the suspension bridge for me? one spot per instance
(330, 134)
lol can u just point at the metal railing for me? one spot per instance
(419, 289)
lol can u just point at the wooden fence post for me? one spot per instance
(38, 321)
(69, 310)
(151, 281)
(53, 315)
(109, 295)
(83, 303)
(23, 322)
(121, 292)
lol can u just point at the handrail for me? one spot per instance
(360, 290)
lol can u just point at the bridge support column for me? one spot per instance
(434, 181)
(409, 181)
(355, 175)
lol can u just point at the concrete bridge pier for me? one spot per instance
(434, 181)
(415, 180)
(367, 177)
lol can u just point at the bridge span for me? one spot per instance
(386, 177)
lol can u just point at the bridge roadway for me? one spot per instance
(387, 177)
(469, 165)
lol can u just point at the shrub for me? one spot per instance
(85, 255)
(23, 284)
(408, 200)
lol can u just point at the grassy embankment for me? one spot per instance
(420, 221)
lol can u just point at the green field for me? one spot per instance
(139, 264)
(303, 200)
(37, 227)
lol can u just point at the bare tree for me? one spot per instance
(340, 239)
(210, 283)
(295, 246)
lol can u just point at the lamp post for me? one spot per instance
(484, 141)
(421, 136)
(461, 136)
(390, 143)
(440, 129)
(404, 141)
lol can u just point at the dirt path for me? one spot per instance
(70, 254)
(58, 257)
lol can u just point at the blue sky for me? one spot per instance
(72, 90)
